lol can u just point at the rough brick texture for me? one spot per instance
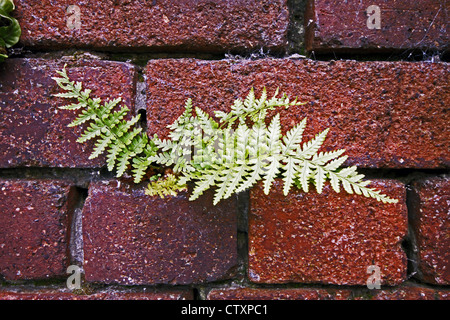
(404, 292)
(278, 294)
(326, 238)
(33, 131)
(201, 25)
(64, 294)
(430, 208)
(391, 116)
(34, 224)
(384, 114)
(131, 238)
(353, 25)
(407, 293)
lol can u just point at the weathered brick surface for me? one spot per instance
(430, 212)
(404, 292)
(33, 131)
(343, 25)
(326, 238)
(132, 238)
(385, 114)
(213, 26)
(278, 294)
(63, 294)
(390, 115)
(34, 222)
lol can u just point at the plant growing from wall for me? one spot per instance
(9, 28)
(230, 154)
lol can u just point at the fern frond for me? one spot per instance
(222, 183)
(320, 177)
(123, 160)
(273, 162)
(85, 115)
(140, 167)
(101, 145)
(290, 170)
(336, 163)
(118, 138)
(93, 131)
(254, 151)
(271, 171)
(209, 153)
(323, 157)
(114, 150)
(167, 186)
(206, 123)
(310, 148)
(293, 138)
(203, 183)
(303, 175)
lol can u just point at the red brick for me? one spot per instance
(278, 294)
(444, 295)
(33, 131)
(430, 208)
(405, 292)
(334, 25)
(34, 220)
(385, 114)
(212, 26)
(326, 238)
(132, 238)
(64, 294)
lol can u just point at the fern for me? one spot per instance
(230, 154)
(167, 186)
(119, 138)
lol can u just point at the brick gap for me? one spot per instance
(411, 55)
(405, 175)
(75, 232)
(410, 244)
(196, 294)
(243, 207)
(296, 30)
(79, 176)
(143, 119)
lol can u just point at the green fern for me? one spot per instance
(230, 154)
(119, 138)
(166, 186)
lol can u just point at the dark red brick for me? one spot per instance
(444, 294)
(132, 238)
(334, 25)
(201, 25)
(34, 220)
(385, 114)
(430, 207)
(64, 294)
(326, 238)
(33, 131)
(278, 294)
(404, 292)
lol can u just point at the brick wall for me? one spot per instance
(375, 72)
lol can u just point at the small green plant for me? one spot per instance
(9, 28)
(230, 154)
